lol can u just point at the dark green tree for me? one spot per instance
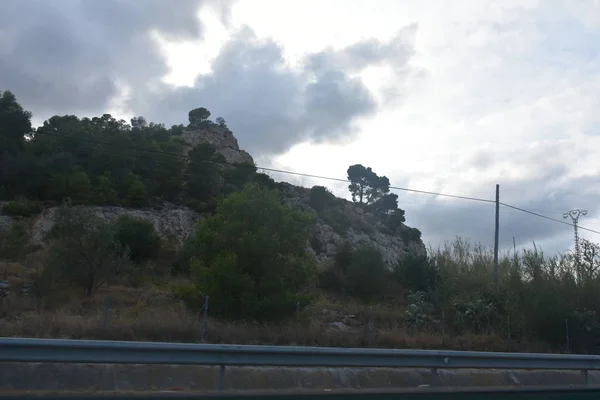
(199, 118)
(203, 174)
(321, 198)
(221, 122)
(139, 236)
(136, 194)
(250, 256)
(85, 253)
(365, 185)
(15, 123)
(73, 185)
(104, 191)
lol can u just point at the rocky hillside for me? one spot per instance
(342, 222)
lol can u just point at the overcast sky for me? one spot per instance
(446, 96)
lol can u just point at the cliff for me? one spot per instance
(341, 222)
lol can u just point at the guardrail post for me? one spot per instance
(434, 377)
(221, 377)
(585, 375)
(205, 319)
(106, 311)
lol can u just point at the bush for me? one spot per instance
(415, 272)
(22, 207)
(410, 234)
(366, 274)
(13, 243)
(360, 273)
(139, 236)
(250, 257)
(85, 253)
(321, 198)
(419, 310)
(338, 221)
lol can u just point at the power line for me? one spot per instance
(321, 177)
(281, 171)
(546, 217)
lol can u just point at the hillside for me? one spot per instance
(337, 222)
(132, 231)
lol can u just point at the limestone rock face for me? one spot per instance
(352, 224)
(223, 140)
(171, 221)
(343, 222)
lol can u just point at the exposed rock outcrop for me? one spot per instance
(172, 222)
(223, 140)
(343, 222)
(351, 224)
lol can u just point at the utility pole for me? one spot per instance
(575, 214)
(496, 236)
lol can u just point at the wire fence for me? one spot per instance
(371, 326)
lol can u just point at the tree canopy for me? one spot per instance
(250, 256)
(106, 161)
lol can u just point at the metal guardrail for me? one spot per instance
(452, 394)
(114, 352)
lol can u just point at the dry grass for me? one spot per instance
(151, 313)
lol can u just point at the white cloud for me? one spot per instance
(450, 96)
(506, 93)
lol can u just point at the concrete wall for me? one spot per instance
(102, 377)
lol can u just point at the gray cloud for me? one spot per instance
(443, 219)
(76, 56)
(271, 106)
(71, 56)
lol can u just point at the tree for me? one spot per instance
(387, 204)
(250, 256)
(138, 122)
(321, 198)
(74, 185)
(203, 174)
(415, 272)
(198, 118)
(221, 122)
(104, 192)
(136, 194)
(85, 253)
(366, 185)
(15, 123)
(139, 237)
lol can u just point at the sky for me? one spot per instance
(444, 96)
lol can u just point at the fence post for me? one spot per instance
(106, 311)
(508, 331)
(434, 377)
(221, 377)
(297, 321)
(368, 327)
(567, 335)
(443, 328)
(205, 319)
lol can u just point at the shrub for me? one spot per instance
(415, 272)
(408, 234)
(250, 257)
(139, 236)
(366, 273)
(321, 198)
(22, 207)
(85, 253)
(419, 310)
(360, 273)
(13, 243)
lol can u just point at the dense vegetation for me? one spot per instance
(249, 254)
(106, 161)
